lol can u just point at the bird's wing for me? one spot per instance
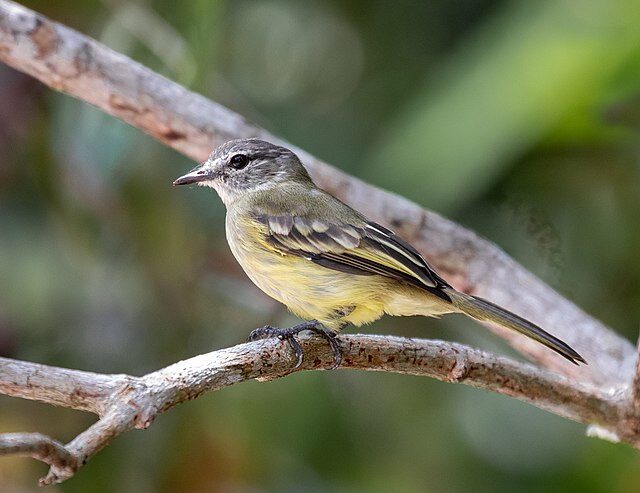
(365, 249)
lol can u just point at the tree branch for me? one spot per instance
(125, 402)
(62, 462)
(605, 395)
(74, 389)
(80, 66)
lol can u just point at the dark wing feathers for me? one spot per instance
(397, 246)
(361, 250)
(342, 264)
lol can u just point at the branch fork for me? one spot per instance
(126, 402)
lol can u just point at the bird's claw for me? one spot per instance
(289, 334)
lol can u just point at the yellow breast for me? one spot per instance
(310, 291)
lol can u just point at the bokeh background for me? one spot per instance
(519, 119)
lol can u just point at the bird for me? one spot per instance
(328, 263)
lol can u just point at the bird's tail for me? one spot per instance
(484, 310)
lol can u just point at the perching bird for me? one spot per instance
(325, 261)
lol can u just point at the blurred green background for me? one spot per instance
(519, 119)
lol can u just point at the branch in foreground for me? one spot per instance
(125, 402)
(61, 461)
(71, 62)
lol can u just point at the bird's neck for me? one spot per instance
(272, 191)
(277, 197)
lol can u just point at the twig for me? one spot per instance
(62, 462)
(125, 402)
(78, 65)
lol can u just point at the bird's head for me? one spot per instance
(242, 166)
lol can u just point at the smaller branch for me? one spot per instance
(125, 402)
(62, 463)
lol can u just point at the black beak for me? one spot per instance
(195, 176)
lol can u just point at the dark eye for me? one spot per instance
(238, 161)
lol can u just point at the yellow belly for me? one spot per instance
(314, 292)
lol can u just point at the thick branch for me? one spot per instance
(73, 63)
(125, 402)
(74, 389)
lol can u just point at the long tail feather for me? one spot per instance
(486, 311)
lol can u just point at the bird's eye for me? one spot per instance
(238, 161)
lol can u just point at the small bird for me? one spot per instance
(325, 261)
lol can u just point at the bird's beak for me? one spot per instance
(197, 175)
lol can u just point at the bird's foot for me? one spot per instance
(289, 334)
